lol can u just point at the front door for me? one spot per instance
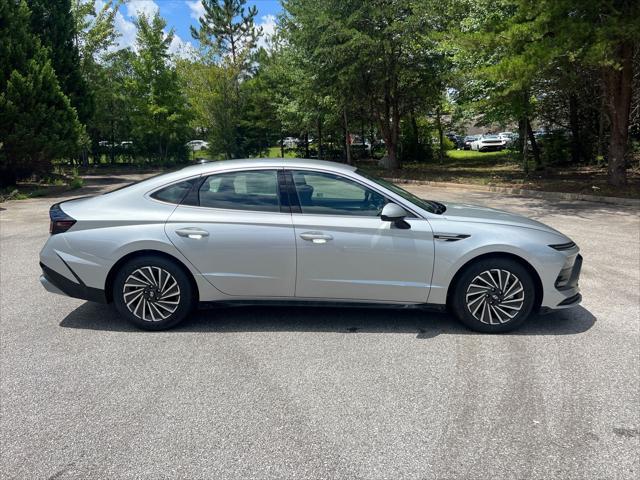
(345, 251)
(237, 234)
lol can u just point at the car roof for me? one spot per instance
(206, 167)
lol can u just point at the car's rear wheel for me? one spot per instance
(153, 293)
(493, 295)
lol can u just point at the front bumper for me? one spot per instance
(566, 291)
(54, 282)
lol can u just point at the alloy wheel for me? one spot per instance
(495, 296)
(151, 293)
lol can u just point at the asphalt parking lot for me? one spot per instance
(324, 393)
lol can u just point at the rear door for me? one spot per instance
(345, 250)
(235, 231)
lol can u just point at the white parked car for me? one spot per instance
(509, 137)
(290, 142)
(197, 145)
(488, 143)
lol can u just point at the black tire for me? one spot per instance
(495, 302)
(166, 271)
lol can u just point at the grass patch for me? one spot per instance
(47, 187)
(505, 169)
(274, 152)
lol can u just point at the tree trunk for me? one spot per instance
(574, 124)
(618, 83)
(523, 139)
(306, 144)
(347, 138)
(417, 147)
(534, 145)
(391, 135)
(440, 136)
(281, 145)
(319, 138)
(602, 117)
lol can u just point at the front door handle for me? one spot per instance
(316, 237)
(192, 232)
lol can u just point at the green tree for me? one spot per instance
(112, 119)
(95, 34)
(228, 29)
(37, 122)
(210, 90)
(95, 30)
(229, 35)
(160, 119)
(378, 52)
(521, 43)
(54, 24)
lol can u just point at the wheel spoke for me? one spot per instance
(144, 275)
(131, 292)
(134, 299)
(164, 284)
(167, 309)
(518, 290)
(489, 309)
(499, 279)
(472, 302)
(153, 281)
(496, 314)
(479, 277)
(169, 302)
(506, 314)
(481, 304)
(138, 279)
(159, 312)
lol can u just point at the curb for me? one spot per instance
(630, 202)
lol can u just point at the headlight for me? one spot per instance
(563, 246)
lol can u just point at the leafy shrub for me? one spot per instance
(76, 182)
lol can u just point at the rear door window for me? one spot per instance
(255, 190)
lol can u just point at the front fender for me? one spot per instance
(528, 244)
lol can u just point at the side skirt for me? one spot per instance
(327, 304)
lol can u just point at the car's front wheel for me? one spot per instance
(493, 295)
(153, 293)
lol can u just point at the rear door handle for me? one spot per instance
(192, 232)
(316, 237)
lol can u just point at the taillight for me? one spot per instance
(60, 221)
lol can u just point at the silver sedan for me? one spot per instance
(301, 231)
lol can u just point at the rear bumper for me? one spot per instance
(53, 282)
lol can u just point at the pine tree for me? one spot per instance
(54, 23)
(227, 27)
(37, 122)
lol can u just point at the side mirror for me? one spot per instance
(395, 213)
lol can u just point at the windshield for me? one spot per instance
(428, 205)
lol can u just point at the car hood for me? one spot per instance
(459, 212)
